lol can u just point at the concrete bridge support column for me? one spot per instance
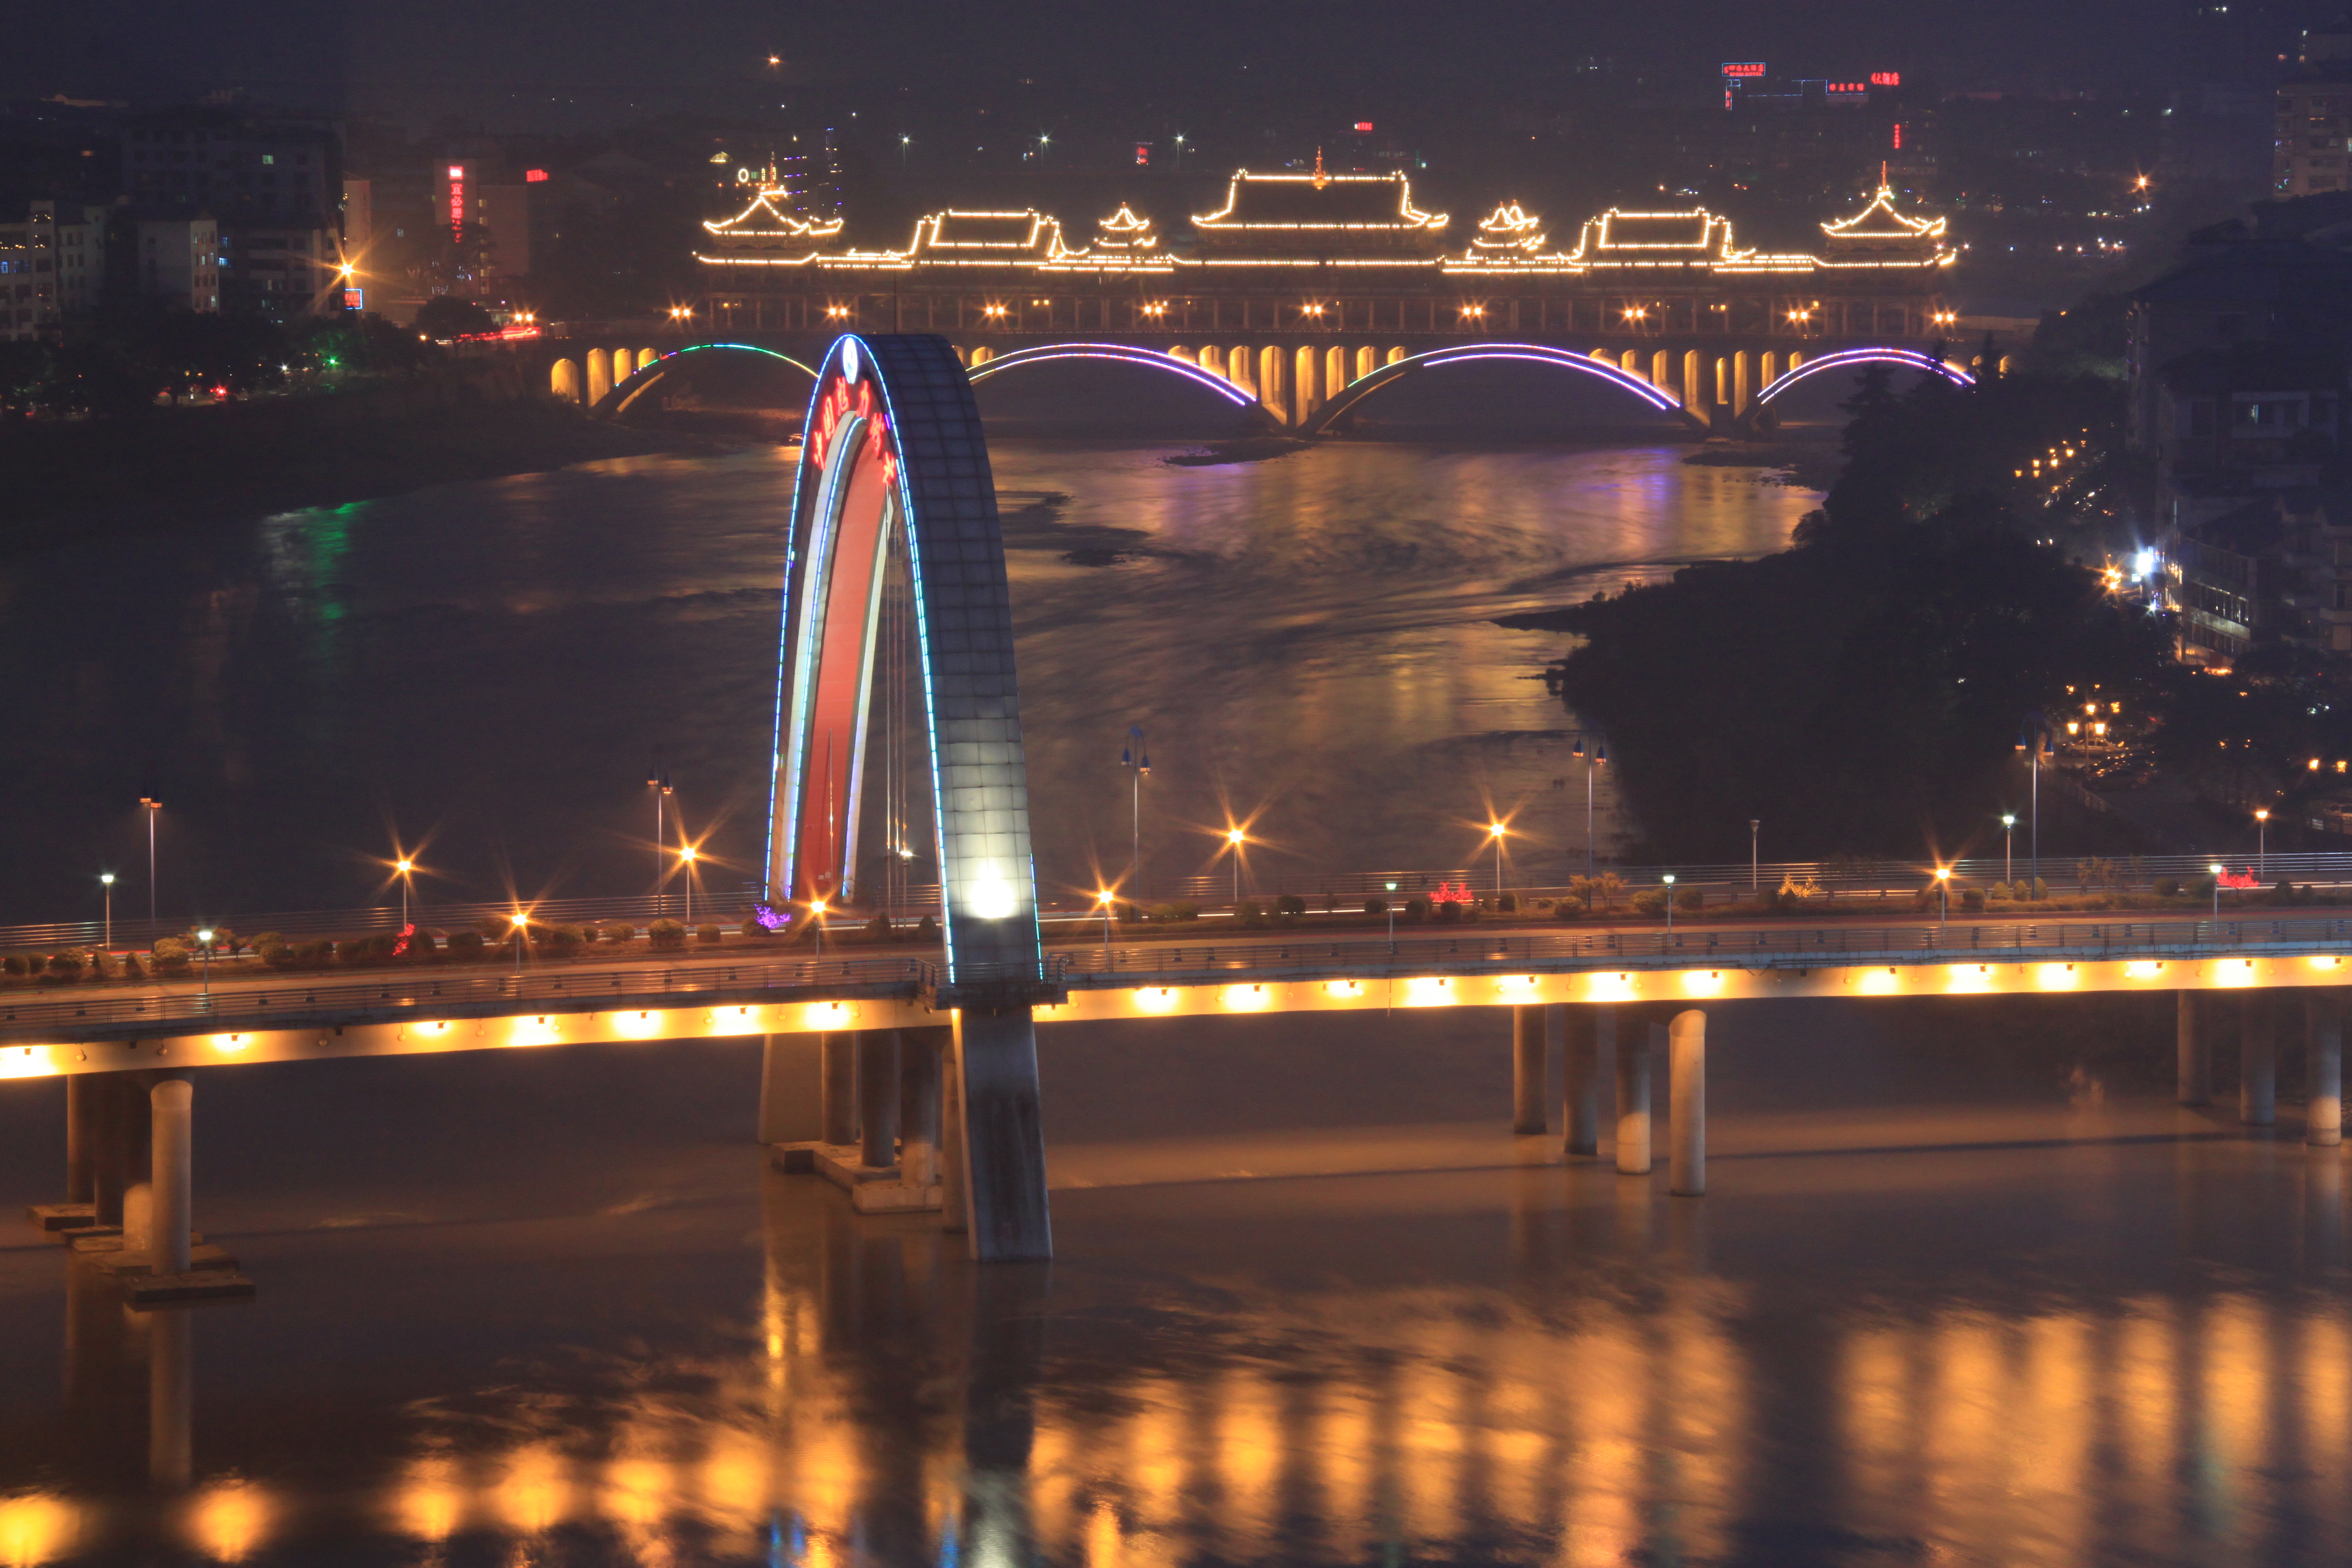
(1722, 381)
(1591, 1035)
(1743, 385)
(138, 1210)
(172, 1103)
(81, 1137)
(1308, 394)
(1693, 387)
(2194, 1066)
(1661, 370)
(1335, 373)
(877, 1097)
(2323, 1023)
(120, 1121)
(1274, 382)
(1630, 362)
(839, 1071)
(1768, 370)
(1686, 1104)
(1240, 369)
(600, 375)
(921, 1060)
(1367, 360)
(1633, 1100)
(1530, 1088)
(1004, 1137)
(1184, 354)
(2258, 1062)
(564, 379)
(1395, 354)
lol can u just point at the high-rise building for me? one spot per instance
(2313, 134)
(177, 262)
(52, 268)
(272, 187)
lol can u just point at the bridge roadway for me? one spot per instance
(399, 1011)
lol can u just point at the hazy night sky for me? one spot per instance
(606, 56)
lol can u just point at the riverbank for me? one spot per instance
(175, 468)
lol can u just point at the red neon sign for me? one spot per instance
(1845, 87)
(1898, 136)
(1453, 893)
(458, 201)
(1743, 68)
(1363, 128)
(1142, 155)
(533, 176)
(1886, 78)
(2239, 880)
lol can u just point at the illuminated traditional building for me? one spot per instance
(1322, 253)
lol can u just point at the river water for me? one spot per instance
(1966, 1288)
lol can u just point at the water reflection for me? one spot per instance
(1599, 1390)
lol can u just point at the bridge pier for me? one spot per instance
(792, 1098)
(2323, 1023)
(1530, 1088)
(877, 1098)
(1003, 1138)
(920, 1053)
(1591, 1034)
(2194, 1063)
(1686, 1104)
(2258, 1062)
(1634, 1101)
(840, 1081)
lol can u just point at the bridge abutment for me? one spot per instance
(1686, 1104)
(1633, 1100)
(2324, 1070)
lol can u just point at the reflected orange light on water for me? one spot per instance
(36, 1528)
(228, 1523)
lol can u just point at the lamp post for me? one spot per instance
(1943, 898)
(1755, 871)
(106, 881)
(1235, 840)
(2036, 734)
(1670, 903)
(403, 866)
(204, 940)
(1494, 830)
(1600, 755)
(1102, 903)
(153, 806)
(521, 920)
(1390, 902)
(2262, 845)
(817, 913)
(659, 783)
(2009, 847)
(686, 856)
(2216, 869)
(1137, 761)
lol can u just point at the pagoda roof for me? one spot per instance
(1879, 221)
(763, 220)
(1318, 213)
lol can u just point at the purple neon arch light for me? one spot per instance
(1655, 396)
(1846, 359)
(1119, 352)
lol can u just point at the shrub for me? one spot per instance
(1999, 891)
(1567, 910)
(2168, 886)
(1129, 914)
(1448, 913)
(1506, 903)
(1416, 911)
(561, 941)
(494, 928)
(424, 946)
(65, 965)
(927, 928)
(1690, 901)
(709, 936)
(668, 935)
(169, 955)
(131, 968)
(276, 953)
(1179, 911)
(2283, 890)
(1973, 900)
(878, 928)
(1376, 906)
(1247, 914)
(367, 948)
(752, 926)
(620, 930)
(1290, 904)
(15, 965)
(316, 952)
(464, 945)
(264, 939)
(1649, 901)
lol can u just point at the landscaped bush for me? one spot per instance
(927, 928)
(1649, 901)
(1290, 904)
(494, 928)
(668, 935)
(1448, 913)
(620, 930)
(275, 951)
(1567, 910)
(710, 935)
(1376, 906)
(1691, 901)
(365, 949)
(1506, 903)
(2168, 886)
(464, 945)
(1247, 914)
(1416, 911)
(878, 928)
(1973, 900)
(65, 965)
(170, 955)
(315, 953)
(424, 946)
(15, 965)
(562, 942)
(752, 926)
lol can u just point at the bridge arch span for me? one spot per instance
(1384, 376)
(627, 388)
(1122, 354)
(1856, 359)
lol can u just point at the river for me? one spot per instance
(1968, 1287)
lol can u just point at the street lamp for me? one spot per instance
(1390, 902)
(1600, 755)
(817, 913)
(2035, 734)
(2009, 847)
(1494, 830)
(688, 855)
(153, 807)
(521, 920)
(204, 940)
(1943, 898)
(106, 881)
(1137, 761)
(2216, 869)
(1235, 840)
(902, 150)
(403, 866)
(1102, 901)
(659, 783)
(2262, 845)
(1670, 903)
(1755, 874)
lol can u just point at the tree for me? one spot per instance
(446, 316)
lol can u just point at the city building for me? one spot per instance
(2276, 568)
(272, 188)
(176, 262)
(2314, 131)
(52, 268)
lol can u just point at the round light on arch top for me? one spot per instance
(849, 359)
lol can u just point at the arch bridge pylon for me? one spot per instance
(895, 591)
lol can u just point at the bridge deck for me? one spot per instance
(300, 1019)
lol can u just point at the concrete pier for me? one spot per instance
(955, 1212)
(1686, 1104)
(839, 1071)
(1591, 1033)
(2194, 1066)
(173, 1210)
(1529, 1085)
(2322, 1024)
(919, 1065)
(792, 1091)
(1633, 1100)
(877, 1097)
(1004, 1137)
(2258, 1061)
